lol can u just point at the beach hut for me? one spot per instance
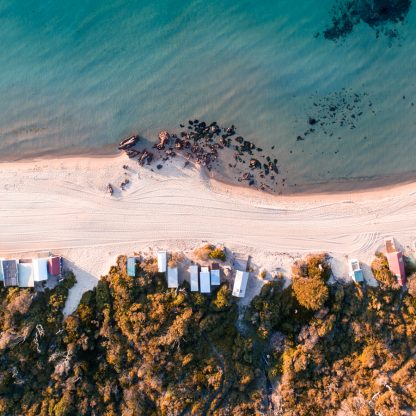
(25, 270)
(240, 284)
(40, 270)
(131, 266)
(10, 273)
(54, 265)
(215, 274)
(205, 280)
(1, 270)
(193, 271)
(173, 277)
(356, 273)
(162, 261)
(395, 260)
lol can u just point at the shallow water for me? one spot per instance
(78, 76)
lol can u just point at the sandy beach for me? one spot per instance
(61, 206)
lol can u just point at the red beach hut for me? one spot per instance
(54, 266)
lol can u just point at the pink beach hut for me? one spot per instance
(395, 260)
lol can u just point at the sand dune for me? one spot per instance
(61, 206)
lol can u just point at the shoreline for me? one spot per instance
(333, 188)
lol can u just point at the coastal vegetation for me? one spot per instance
(134, 347)
(209, 251)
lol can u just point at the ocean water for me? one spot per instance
(77, 76)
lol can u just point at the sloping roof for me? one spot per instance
(162, 261)
(131, 266)
(54, 265)
(215, 277)
(26, 275)
(205, 280)
(240, 284)
(390, 245)
(173, 277)
(396, 265)
(40, 270)
(193, 270)
(10, 273)
(358, 276)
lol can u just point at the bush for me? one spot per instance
(263, 274)
(209, 251)
(175, 259)
(412, 285)
(218, 254)
(382, 273)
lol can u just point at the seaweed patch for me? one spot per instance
(380, 15)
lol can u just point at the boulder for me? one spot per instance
(128, 142)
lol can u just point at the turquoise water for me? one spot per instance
(77, 76)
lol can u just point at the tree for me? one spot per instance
(309, 277)
(411, 284)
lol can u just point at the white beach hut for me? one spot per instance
(26, 275)
(240, 284)
(162, 261)
(193, 270)
(205, 280)
(173, 277)
(40, 270)
(1, 271)
(131, 266)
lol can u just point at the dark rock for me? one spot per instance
(159, 166)
(132, 153)
(255, 164)
(128, 142)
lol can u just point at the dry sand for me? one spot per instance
(61, 205)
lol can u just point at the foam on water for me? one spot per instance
(80, 75)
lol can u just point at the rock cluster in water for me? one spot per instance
(378, 14)
(341, 109)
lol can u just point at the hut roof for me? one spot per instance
(205, 282)
(26, 275)
(240, 284)
(173, 277)
(10, 273)
(40, 270)
(54, 265)
(162, 261)
(193, 270)
(131, 266)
